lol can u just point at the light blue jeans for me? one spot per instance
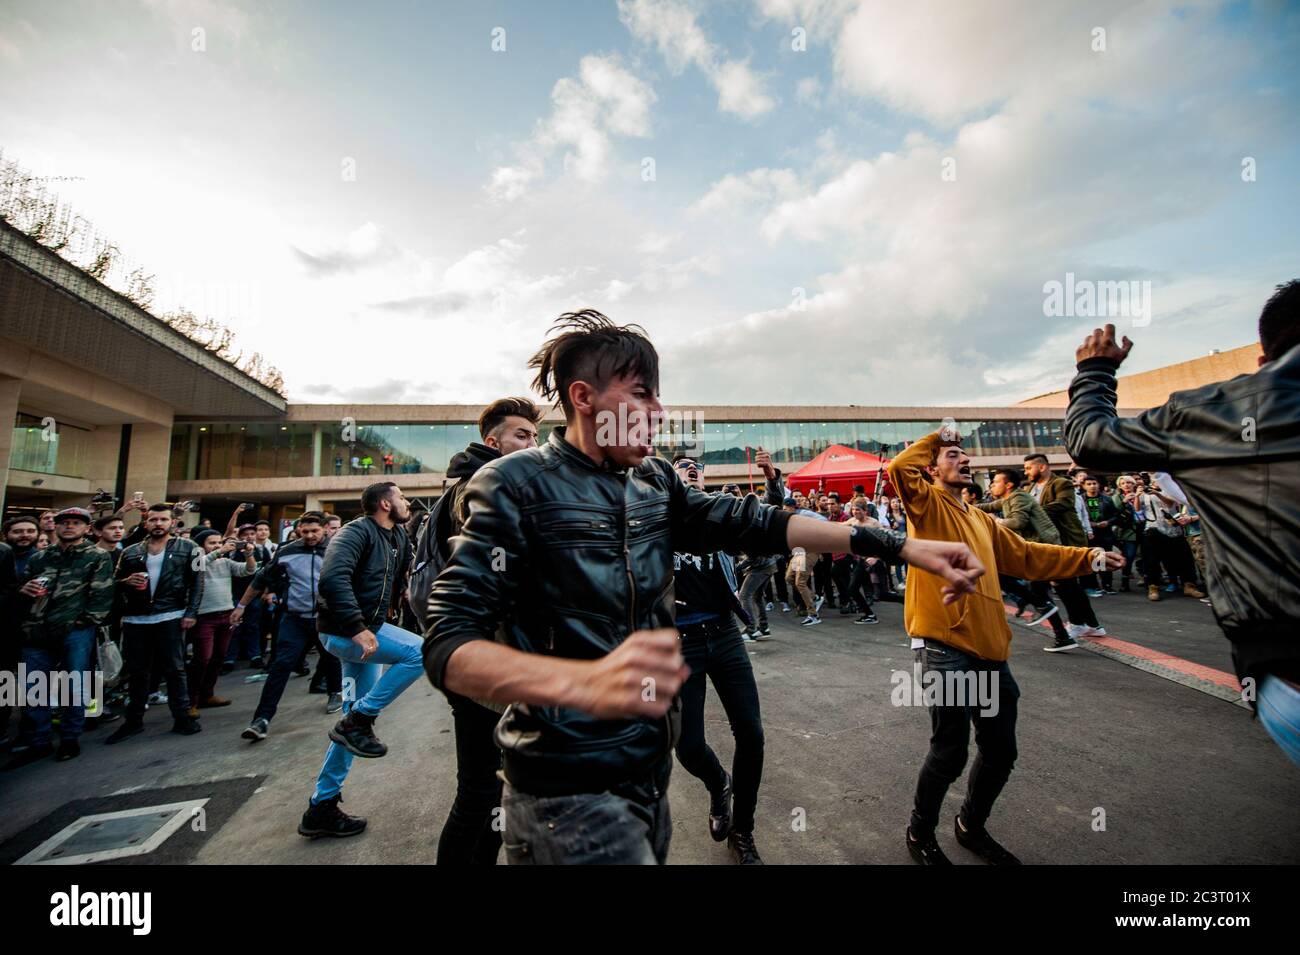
(365, 689)
(1278, 707)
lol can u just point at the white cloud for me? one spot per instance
(603, 99)
(673, 28)
(734, 194)
(944, 278)
(808, 92)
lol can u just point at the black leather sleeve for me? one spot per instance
(876, 542)
(334, 588)
(1097, 437)
(194, 580)
(477, 588)
(707, 522)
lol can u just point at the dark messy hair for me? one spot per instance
(1279, 322)
(503, 408)
(1036, 457)
(376, 494)
(311, 517)
(588, 346)
(1010, 476)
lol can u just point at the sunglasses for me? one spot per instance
(686, 464)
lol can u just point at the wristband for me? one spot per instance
(876, 542)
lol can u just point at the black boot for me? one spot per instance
(325, 818)
(720, 810)
(743, 849)
(982, 844)
(356, 733)
(186, 726)
(926, 851)
(129, 728)
(68, 749)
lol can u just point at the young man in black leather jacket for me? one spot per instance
(558, 600)
(1234, 448)
(471, 835)
(361, 587)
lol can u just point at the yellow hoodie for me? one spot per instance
(976, 623)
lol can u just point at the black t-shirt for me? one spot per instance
(700, 584)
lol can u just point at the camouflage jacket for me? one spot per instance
(80, 592)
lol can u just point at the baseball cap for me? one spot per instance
(78, 512)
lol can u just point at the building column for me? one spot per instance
(10, 389)
(146, 468)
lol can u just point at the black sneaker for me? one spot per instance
(743, 849)
(186, 726)
(257, 730)
(1040, 614)
(302, 670)
(765, 631)
(125, 731)
(325, 818)
(983, 845)
(1067, 644)
(720, 811)
(926, 851)
(68, 749)
(255, 663)
(227, 668)
(28, 755)
(318, 688)
(356, 733)
(868, 618)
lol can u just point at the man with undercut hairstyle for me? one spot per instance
(468, 836)
(557, 600)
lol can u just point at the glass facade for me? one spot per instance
(58, 449)
(231, 451)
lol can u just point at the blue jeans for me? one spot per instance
(246, 640)
(34, 726)
(1278, 706)
(366, 690)
(295, 635)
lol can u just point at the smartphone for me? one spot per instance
(138, 496)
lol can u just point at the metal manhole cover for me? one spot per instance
(113, 835)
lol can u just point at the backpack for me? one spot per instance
(431, 553)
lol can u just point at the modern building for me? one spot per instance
(105, 396)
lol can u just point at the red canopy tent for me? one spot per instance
(838, 468)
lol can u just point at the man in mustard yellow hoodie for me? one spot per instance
(962, 647)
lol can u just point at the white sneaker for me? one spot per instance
(811, 621)
(1076, 630)
(785, 607)
(768, 606)
(744, 635)
(820, 601)
(1097, 631)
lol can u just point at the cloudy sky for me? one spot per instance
(803, 201)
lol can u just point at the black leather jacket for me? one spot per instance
(180, 582)
(567, 558)
(363, 578)
(1234, 448)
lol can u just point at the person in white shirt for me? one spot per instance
(210, 637)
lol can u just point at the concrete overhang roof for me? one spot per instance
(52, 306)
